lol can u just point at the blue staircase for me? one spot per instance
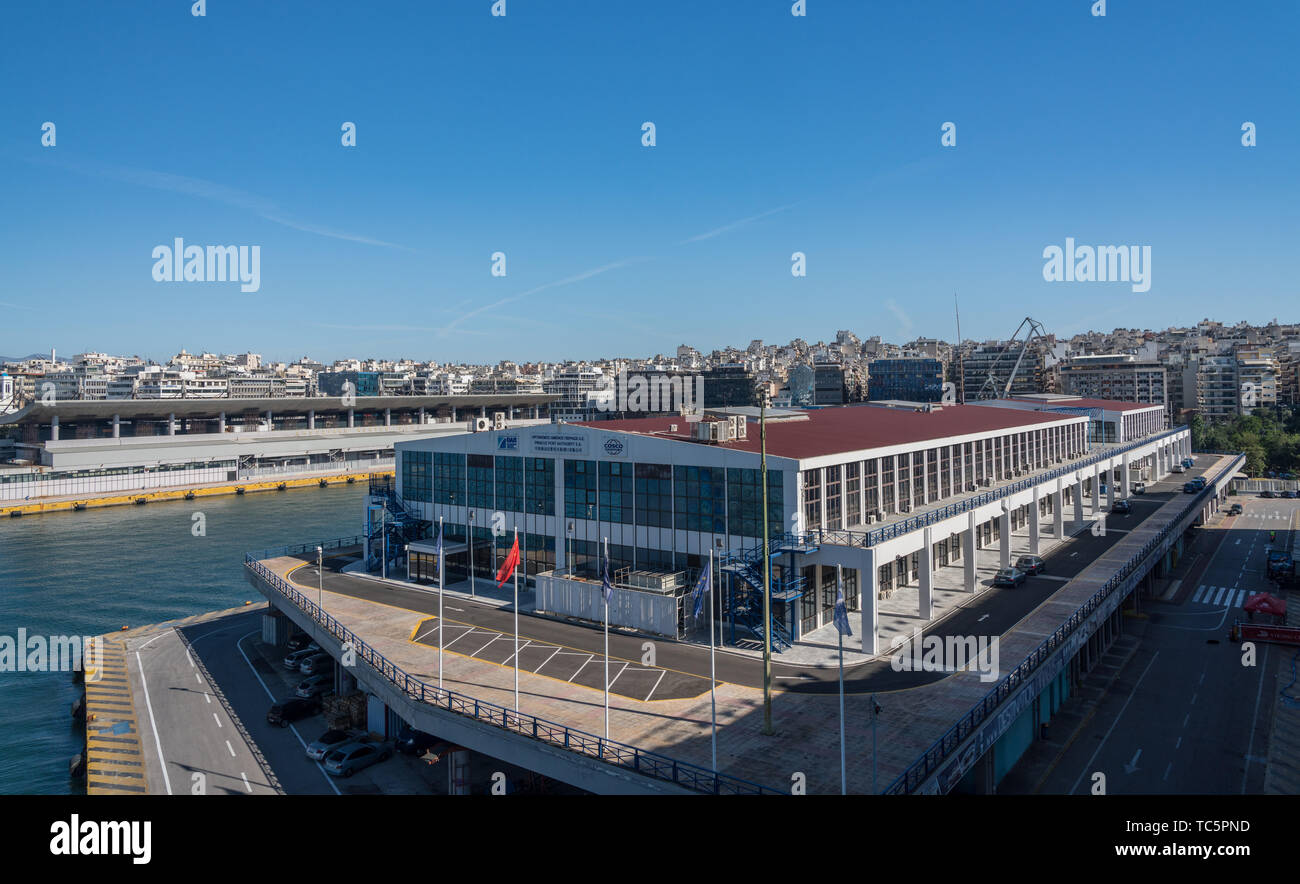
(402, 526)
(748, 567)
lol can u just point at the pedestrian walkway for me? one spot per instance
(114, 762)
(1218, 596)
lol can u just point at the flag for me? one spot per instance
(841, 617)
(439, 550)
(509, 565)
(605, 586)
(703, 585)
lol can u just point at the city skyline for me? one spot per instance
(387, 246)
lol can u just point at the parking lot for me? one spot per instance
(627, 678)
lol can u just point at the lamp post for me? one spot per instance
(320, 578)
(471, 554)
(767, 568)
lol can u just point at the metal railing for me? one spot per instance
(651, 764)
(849, 537)
(929, 762)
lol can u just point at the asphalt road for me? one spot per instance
(992, 614)
(1186, 715)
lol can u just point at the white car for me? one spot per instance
(1179, 468)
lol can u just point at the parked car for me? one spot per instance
(1139, 488)
(315, 685)
(349, 758)
(1235, 510)
(413, 742)
(299, 641)
(1289, 495)
(1031, 564)
(1121, 507)
(316, 664)
(292, 710)
(1269, 494)
(326, 743)
(294, 659)
(1179, 468)
(1189, 462)
(1190, 488)
(1011, 577)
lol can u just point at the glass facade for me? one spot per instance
(744, 502)
(580, 489)
(448, 477)
(700, 499)
(539, 485)
(479, 480)
(417, 476)
(510, 484)
(654, 495)
(615, 494)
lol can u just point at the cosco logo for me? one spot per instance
(613, 447)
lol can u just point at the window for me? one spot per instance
(744, 502)
(812, 499)
(654, 496)
(700, 499)
(510, 484)
(580, 489)
(873, 480)
(833, 502)
(479, 476)
(615, 495)
(853, 492)
(539, 485)
(448, 478)
(416, 475)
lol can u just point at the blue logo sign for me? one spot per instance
(613, 447)
(507, 443)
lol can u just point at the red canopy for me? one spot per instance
(1264, 603)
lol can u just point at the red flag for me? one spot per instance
(509, 565)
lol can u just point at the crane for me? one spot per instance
(989, 389)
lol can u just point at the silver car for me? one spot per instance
(315, 685)
(347, 759)
(316, 664)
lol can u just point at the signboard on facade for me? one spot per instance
(558, 443)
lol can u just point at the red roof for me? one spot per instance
(852, 428)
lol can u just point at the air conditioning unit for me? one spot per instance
(498, 420)
(479, 425)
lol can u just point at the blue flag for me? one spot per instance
(439, 544)
(841, 617)
(605, 586)
(703, 585)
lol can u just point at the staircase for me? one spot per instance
(748, 567)
(402, 526)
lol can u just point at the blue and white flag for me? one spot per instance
(703, 585)
(841, 618)
(439, 549)
(605, 586)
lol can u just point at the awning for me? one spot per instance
(430, 547)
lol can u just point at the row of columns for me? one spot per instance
(1163, 457)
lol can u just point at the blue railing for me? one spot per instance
(651, 764)
(928, 763)
(848, 537)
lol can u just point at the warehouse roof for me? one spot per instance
(854, 428)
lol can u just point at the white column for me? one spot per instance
(1078, 506)
(1034, 516)
(968, 552)
(926, 595)
(868, 593)
(54, 428)
(1110, 484)
(388, 417)
(117, 426)
(1004, 529)
(221, 423)
(1096, 488)
(311, 418)
(351, 417)
(171, 424)
(1126, 488)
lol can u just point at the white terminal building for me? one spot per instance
(890, 492)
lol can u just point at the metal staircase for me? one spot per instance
(747, 566)
(401, 526)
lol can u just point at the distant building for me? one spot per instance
(1119, 377)
(727, 386)
(917, 379)
(365, 383)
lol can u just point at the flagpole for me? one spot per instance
(441, 556)
(844, 776)
(713, 672)
(471, 554)
(516, 570)
(606, 597)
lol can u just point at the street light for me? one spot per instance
(767, 566)
(320, 578)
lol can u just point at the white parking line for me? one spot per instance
(244, 777)
(231, 748)
(547, 660)
(583, 666)
(217, 720)
(485, 647)
(662, 673)
(615, 678)
(512, 653)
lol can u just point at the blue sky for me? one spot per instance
(522, 134)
